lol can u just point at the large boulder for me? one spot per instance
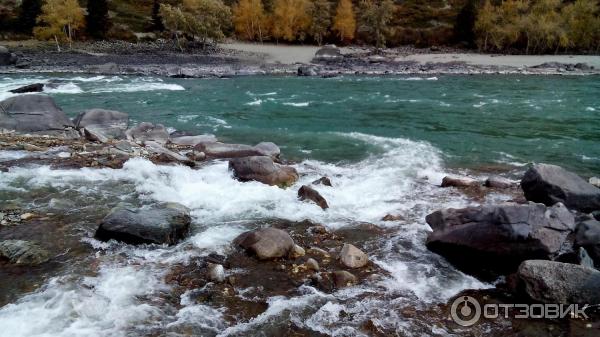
(223, 150)
(6, 57)
(110, 124)
(32, 113)
(495, 239)
(266, 243)
(163, 223)
(264, 170)
(308, 193)
(36, 87)
(550, 184)
(21, 252)
(587, 235)
(148, 132)
(560, 283)
(328, 53)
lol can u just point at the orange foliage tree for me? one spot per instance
(249, 19)
(290, 19)
(344, 22)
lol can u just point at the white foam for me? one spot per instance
(67, 88)
(139, 87)
(255, 102)
(301, 104)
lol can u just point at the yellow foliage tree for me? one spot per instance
(290, 19)
(60, 19)
(249, 19)
(344, 22)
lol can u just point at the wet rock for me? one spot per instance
(561, 283)
(103, 124)
(308, 70)
(216, 272)
(36, 87)
(595, 181)
(21, 252)
(352, 257)
(144, 132)
(587, 235)
(264, 170)
(391, 217)
(164, 223)
(222, 150)
(27, 216)
(499, 182)
(308, 193)
(266, 243)
(550, 184)
(312, 264)
(297, 252)
(325, 181)
(495, 239)
(94, 135)
(32, 113)
(456, 181)
(196, 155)
(193, 140)
(342, 279)
(328, 53)
(165, 155)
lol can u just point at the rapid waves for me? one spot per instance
(126, 296)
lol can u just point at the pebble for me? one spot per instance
(312, 264)
(27, 216)
(297, 252)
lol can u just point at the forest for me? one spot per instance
(504, 26)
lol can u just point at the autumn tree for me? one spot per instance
(174, 21)
(249, 19)
(375, 17)
(582, 24)
(29, 11)
(344, 22)
(290, 19)
(97, 23)
(485, 23)
(320, 14)
(60, 19)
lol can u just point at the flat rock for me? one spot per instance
(308, 193)
(144, 132)
(457, 181)
(561, 283)
(21, 252)
(352, 257)
(497, 238)
(32, 113)
(106, 124)
(498, 182)
(193, 140)
(163, 223)
(266, 243)
(165, 155)
(550, 184)
(223, 150)
(264, 170)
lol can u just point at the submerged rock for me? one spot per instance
(32, 113)
(36, 87)
(148, 132)
(264, 170)
(308, 193)
(101, 123)
(352, 257)
(392, 217)
(550, 184)
(164, 223)
(21, 252)
(497, 238)
(561, 283)
(266, 243)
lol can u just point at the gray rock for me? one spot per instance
(103, 123)
(223, 150)
(164, 223)
(499, 182)
(216, 272)
(308, 70)
(266, 243)
(342, 278)
(32, 113)
(264, 170)
(36, 87)
(352, 257)
(193, 140)
(144, 132)
(497, 238)
(561, 283)
(584, 258)
(325, 181)
(308, 193)
(329, 53)
(457, 181)
(550, 184)
(595, 181)
(587, 235)
(21, 252)
(268, 149)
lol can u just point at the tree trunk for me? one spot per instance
(57, 45)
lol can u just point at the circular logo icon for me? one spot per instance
(465, 311)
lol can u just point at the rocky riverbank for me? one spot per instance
(162, 59)
(540, 247)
